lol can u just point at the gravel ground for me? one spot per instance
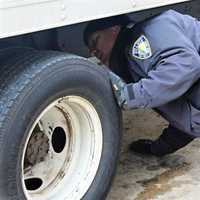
(176, 176)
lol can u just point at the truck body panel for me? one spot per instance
(26, 16)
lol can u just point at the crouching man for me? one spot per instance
(156, 64)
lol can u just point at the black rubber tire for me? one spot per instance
(29, 81)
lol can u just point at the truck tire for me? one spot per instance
(60, 127)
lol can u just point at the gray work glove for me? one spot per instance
(119, 87)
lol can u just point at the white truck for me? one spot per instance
(60, 127)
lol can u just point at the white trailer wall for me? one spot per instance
(25, 16)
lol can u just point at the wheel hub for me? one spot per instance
(63, 151)
(37, 149)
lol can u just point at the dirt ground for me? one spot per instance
(173, 177)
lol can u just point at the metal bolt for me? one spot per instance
(63, 17)
(63, 7)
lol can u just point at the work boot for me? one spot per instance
(157, 148)
(169, 142)
(141, 146)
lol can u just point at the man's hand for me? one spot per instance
(119, 89)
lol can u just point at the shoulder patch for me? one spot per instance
(141, 49)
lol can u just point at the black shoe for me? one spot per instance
(141, 146)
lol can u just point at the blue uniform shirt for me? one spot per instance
(165, 63)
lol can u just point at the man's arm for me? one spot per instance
(174, 74)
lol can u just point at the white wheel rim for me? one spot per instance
(62, 151)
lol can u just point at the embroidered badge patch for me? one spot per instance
(141, 48)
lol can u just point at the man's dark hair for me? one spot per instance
(102, 24)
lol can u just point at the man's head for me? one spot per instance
(100, 36)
